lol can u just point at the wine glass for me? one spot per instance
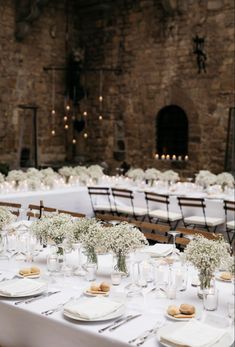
(174, 252)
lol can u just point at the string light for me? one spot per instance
(53, 104)
(67, 108)
(85, 113)
(85, 135)
(100, 117)
(53, 111)
(100, 98)
(74, 141)
(66, 126)
(65, 118)
(53, 132)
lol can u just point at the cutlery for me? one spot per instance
(126, 320)
(147, 334)
(57, 308)
(114, 323)
(35, 298)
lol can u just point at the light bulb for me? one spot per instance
(85, 113)
(100, 98)
(74, 141)
(52, 111)
(67, 107)
(85, 135)
(66, 126)
(65, 118)
(53, 132)
(100, 117)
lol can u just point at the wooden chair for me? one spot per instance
(162, 214)
(37, 211)
(124, 203)
(14, 208)
(198, 218)
(186, 235)
(100, 200)
(229, 208)
(73, 214)
(153, 232)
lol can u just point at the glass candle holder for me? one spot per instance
(210, 299)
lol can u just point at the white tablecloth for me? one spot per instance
(25, 326)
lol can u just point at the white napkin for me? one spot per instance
(92, 308)
(159, 249)
(194, 334)
(20, 287)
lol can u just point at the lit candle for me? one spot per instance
(163, 157)
(186, 157)
(179, 157)
(156, 156)
(100, 117)
(174, 157)
(74, 141)
(85, 135)
(66, 126)
(85, 113)
(167, 157)
(53, 132)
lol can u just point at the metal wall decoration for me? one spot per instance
(198, 44)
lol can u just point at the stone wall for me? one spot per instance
(154, 49)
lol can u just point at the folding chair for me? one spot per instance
(229, 208)
(73, 214)
(124, 203)
(14, 208)
(197, 216)
(37, 211)
(100, 200)
(163, 214)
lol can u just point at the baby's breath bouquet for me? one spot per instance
(125, 238)
(225, 179)
(135, 174)
(206, 255)
(53, 228)
(6, 217)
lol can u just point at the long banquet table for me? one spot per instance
(25, 326)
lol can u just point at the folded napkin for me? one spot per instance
(193, 334)
(159, 250)
(20, 287)
(92, 308)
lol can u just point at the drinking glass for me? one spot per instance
(79, 271)
(174, 253)
(90, 271)
(210, 299)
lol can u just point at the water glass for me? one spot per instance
(91, 271)
(116, 278)
(210, 299)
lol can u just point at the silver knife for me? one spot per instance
(114, 323)
(125, 321)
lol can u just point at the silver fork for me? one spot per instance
(151, 333)
(147, 333)
(57, 308)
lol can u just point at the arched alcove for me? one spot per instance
(172, 131)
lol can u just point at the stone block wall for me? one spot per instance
(154, 49)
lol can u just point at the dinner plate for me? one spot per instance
(225, 341)
(222, 279)
(197, 316)
(95, 294)
(34, 292)
(118, 313)
(29, 276)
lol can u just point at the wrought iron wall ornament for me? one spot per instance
(198, 43)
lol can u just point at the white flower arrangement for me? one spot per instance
(81, 227)
(206, 255)
(33, 183)
(6, 217)
(66, 171)
(48, 172)
(95, 171)
(33, 173)
(205, 178)
(135, 174)
(152, 174)
(125, 238)
(16, 175)
(225, 179)
(80, 170)
(170, 176)
(53, 228)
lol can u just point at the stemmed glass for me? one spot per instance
(159, 280)
(174, 253)
(133, 288)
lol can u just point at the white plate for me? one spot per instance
(225, 341)
(115, 314)
(35, 292)
(29, 276)
(197, 316)
(94, 294)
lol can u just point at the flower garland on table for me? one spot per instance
(125, 238)
(6, 217)
(206, 255)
